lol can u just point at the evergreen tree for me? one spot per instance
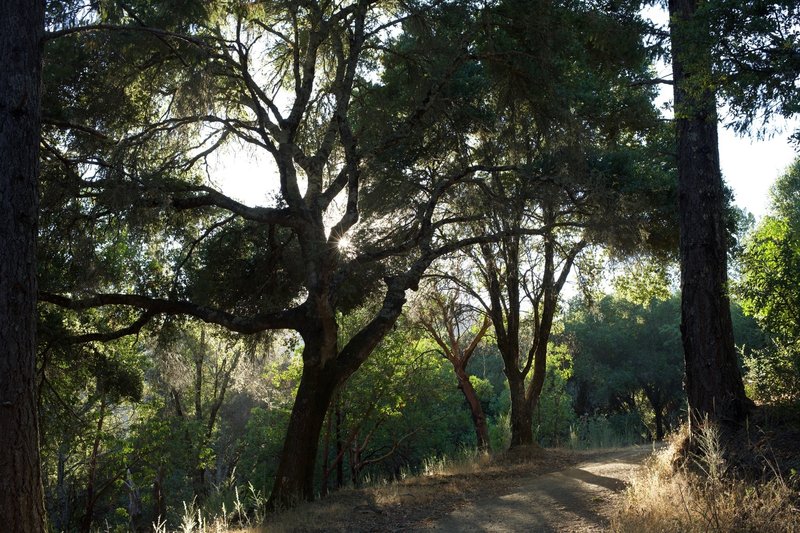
(21, 499)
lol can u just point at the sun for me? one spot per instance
(344, 244)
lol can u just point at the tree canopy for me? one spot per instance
(486, 153)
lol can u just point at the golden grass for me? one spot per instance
(442, 485)
(663, 498)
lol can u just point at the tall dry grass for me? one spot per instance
(666, 498)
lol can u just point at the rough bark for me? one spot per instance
(713, 381)
(21, 495)
(521, 412)
(294, 479)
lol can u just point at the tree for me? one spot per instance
(211, 363)
(744, 52)
(576, 150)
(714, 384)
(622, 348)
(394, 413)
(756, 62)
(457, 331)
(351, 153)
(507, 275)
(21, 497)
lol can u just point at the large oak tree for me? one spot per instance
(363, 147)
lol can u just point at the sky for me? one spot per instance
(750, 167)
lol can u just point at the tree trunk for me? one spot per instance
(339, 446)
(21, 494)
(659, 415)
(159, 498)
(521, 413)
(713, 381)
(294, 480)
(654, 398)
(86, 524)
(475, 408)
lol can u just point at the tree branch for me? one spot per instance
(285, 319)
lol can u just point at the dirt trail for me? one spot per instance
(577, 498)
(523, 490)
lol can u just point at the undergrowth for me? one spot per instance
(700, 495)
(245, 514)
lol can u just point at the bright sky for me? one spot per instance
(244, 173)
(750, 167)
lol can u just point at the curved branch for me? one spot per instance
(50, 35)
(285, 319)
(133, 329)
(212, 198)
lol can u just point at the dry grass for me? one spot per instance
(666, 498)
(442, 486)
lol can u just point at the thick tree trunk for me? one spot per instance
(713, 381)
(294, 480)
(21, 495)
(521, 413)
(475, 408)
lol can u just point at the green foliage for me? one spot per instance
(554, 413)
(621, 348)
(643, 280)
(756, 63)
(127, 208)
(771, 263)
(261, 446)
(89, 397)
(769, 292)
(402, 407)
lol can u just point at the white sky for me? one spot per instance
(751, 166)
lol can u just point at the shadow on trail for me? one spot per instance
(611, 483)
(574, 499)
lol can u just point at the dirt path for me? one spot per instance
(577, 498)
(527, 490)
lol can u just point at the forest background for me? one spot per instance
(444, 169)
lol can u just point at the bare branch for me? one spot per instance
(284, 319)
(132, 329)
(212, 198)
